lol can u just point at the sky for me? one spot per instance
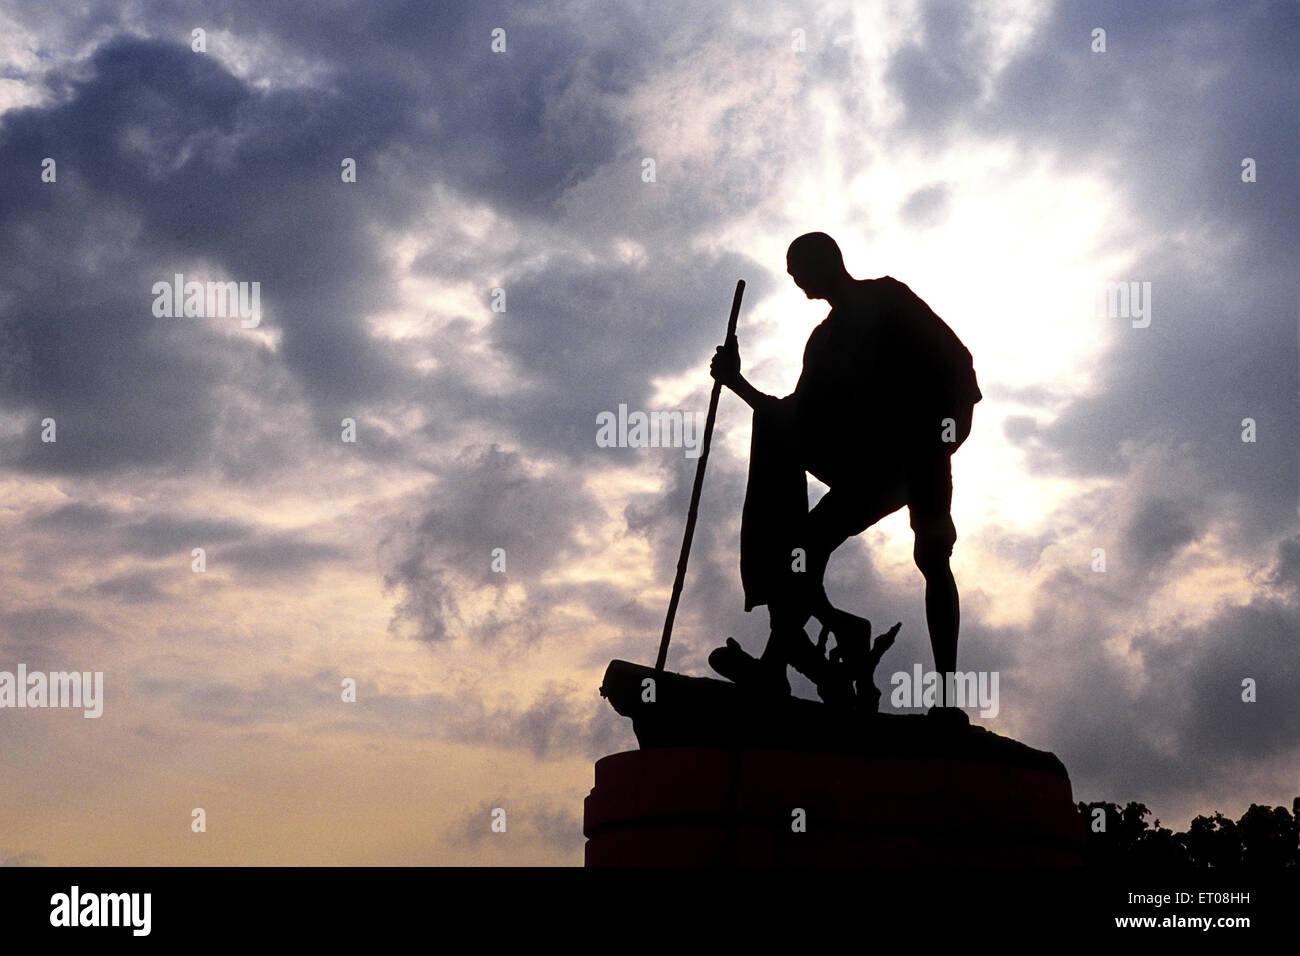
(544, 224)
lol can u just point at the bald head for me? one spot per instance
(816, 264)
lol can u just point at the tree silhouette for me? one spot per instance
(1268, 837)
(1265, 838)
(1214, 843)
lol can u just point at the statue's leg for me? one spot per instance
(839, 515)
(930, 507)
(842, 514)
(942, 606)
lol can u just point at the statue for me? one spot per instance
(885, 398)
(730, 772)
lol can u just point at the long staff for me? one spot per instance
(695, 492)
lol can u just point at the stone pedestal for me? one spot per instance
(705, 806)
(728, 778)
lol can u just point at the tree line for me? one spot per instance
(1265, 838)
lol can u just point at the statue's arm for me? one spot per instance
(758, 401)
(726, 369)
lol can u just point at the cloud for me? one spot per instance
(559, 827)
(137, 587)
(280, 554)
(927, 207)
(587, 337)
(166, 149)
(1165, 722)
(1159, 530)
(938, 75)
(535, 817)
(10, 857)
(41, 633)
(486, 499)
(1210, 357)
(562, 720)
(161, 535)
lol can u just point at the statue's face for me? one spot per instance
(814, 285)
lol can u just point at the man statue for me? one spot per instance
(885, 398)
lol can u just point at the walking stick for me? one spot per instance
(692, 513)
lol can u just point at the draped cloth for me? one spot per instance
(776, 505)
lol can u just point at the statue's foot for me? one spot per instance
(745, 670)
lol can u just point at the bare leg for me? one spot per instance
(942, 617)
(930, 503)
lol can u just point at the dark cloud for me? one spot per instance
(250, 550)
(10, 857)
(40, 634)
(559, 827)
(532, 816)
(937, 74)
(161, 535)
(928, 206)
(201, 167)
(486, 499)
(1255, 642)
(1287, 573)
(164, 147)
(563, 721)
(474, 826)
(584, 338)
(1019, 428)
(279, 555)
(1167, 723)
(282, 698)
(1159, 530)
(77, 516)
(1025, 551)
(136, 587)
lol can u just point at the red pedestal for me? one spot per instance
(687, 806)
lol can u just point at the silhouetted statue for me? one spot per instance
(885, 398)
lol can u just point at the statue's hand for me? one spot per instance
(725, 366)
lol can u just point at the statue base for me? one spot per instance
(686, 806)
(727, 780)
